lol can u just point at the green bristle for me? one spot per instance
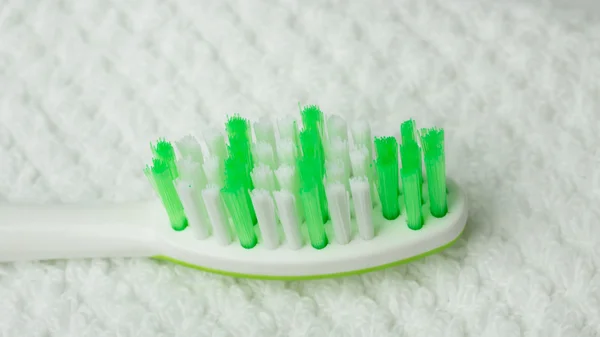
(435, 165)
(309, 171)
(237, 176)
(387, 170)
(164, 151)
(312, 136)
(162, 181)
(314, 217)
(312, 148)
(410, 154)
(312, 117)
(408, 131)
(412, 198)
(236, 201)
(240, 140)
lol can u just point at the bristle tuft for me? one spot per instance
(263, 178)
(265, 154)
(387, 169)
(361, 197)
(236, 200)
(412, 198)
(314, 217)
(435, 165)
(265, 213)
(189, 147)
(290, 218)
(164, 151)
(165, 187)
(217, 214)
(338, 201)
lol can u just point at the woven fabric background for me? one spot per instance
(86, 85)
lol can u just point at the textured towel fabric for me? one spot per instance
(85, 85)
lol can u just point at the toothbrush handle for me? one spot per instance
(71, 231)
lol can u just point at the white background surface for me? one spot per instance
(84, 86)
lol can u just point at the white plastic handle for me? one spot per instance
(48, 232)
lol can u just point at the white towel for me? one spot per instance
(86, 85)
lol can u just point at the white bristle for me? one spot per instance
(264, 131)
(337, 127)
(339, 150)
(361, 166)
(216, 213)
(288, 180)
(213, 169)
(358, 161)
(189, 147)
(195, 209)
(361, 196)
(263, 178)
(216, 144)
(337, 173)
(191, 171)
(265, 154)
(286, 177)
(361, 135)
(288, 215)
(338, 201)
(265, 214)
(286, 128)
(286, 152)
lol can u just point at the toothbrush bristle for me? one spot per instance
(164, 151)
(236, 200)
(336, 173)
(361, 197)
(264, 131)
(340, 151)
(433, 146)
(213, 169)
(289, 216)
(215, 209)
(358, 161)
(337, 127)
(314, 216)
(387, 169)
(265, 213)
(339, 209)
(286, 128)
(361, 136)
(412, 197)
(262, 177)
(194, 207)
(312, 118)
(191, 171)
(216, 144)
(265, 154)
(285, 177)
(298, 179)
(165, 187)
(408, 131)
(286, 151)
(189, 147)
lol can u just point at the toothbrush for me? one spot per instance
(315, 200)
